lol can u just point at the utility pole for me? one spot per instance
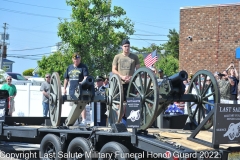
(4, 45)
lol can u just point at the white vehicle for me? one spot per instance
(17, 78)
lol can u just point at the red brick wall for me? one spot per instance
(215, 32)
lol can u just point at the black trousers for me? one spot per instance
(233, 97)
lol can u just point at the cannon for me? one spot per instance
(84, 94)
(155, 94)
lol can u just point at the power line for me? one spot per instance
(30, 54)
(148, 39)
(37, 5)
(31, 48)
(26, 13)
(31, 30)
(144, 40)
(25, 58)
(145, 31)
(151, 25)
(150, 35)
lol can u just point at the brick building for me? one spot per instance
(209, 36)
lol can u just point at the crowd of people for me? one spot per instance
(227, 82)
(125, 64)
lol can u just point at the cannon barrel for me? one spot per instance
(88, 82)
(173, 84)
(179, 77)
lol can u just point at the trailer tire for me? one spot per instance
(51, 145)
(112, 147)
(79, 144)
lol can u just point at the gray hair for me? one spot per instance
(48, 74)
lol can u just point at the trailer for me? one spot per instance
(203, 137)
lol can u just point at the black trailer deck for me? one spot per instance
(155, 143)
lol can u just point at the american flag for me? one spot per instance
(151, 59)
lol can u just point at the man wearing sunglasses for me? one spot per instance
(75, 74)
(12, 91)
(45, 88)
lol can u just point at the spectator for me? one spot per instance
(216, 75)
(100, 88)
(45, 88)
(224, 85)
(186, 86)
(210, 98)
(234, 84)
(160, 73)
(106, 83)
(12, 91)
(153, 69)
(75, 74)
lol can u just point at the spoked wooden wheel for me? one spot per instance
(144, 84)
(115, 100)
(55, 99)
(206, 91)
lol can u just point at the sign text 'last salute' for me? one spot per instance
(229, 109)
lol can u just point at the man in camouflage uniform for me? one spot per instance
(224, 85)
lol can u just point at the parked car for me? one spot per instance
(17, 78)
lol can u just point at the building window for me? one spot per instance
(6, 66)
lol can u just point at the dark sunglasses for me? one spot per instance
(47, 77)
(9, 79)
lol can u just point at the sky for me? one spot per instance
(32, 25)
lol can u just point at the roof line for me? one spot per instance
(214, 5)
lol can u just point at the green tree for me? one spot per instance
(169, 64)
(172, 45)
(95, 30)
(56, 62)
(28, 72)
(2, 78)
(141, 59)
(149, 49)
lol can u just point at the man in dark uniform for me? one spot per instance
(100, 89)
(160, 73)
(75, 74)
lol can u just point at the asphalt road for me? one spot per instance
(18, 151)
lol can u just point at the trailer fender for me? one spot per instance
(50, 147)
(115, 150)
(79, 147)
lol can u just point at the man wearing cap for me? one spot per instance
(100, 89)
(224, 85)
(124, 64)
(160, 73)
(75, 74)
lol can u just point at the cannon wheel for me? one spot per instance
(198, 114)
(115, 100)
(55, 99)
(144, 84)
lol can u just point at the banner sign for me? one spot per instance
(133, 112)
(226, 124)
